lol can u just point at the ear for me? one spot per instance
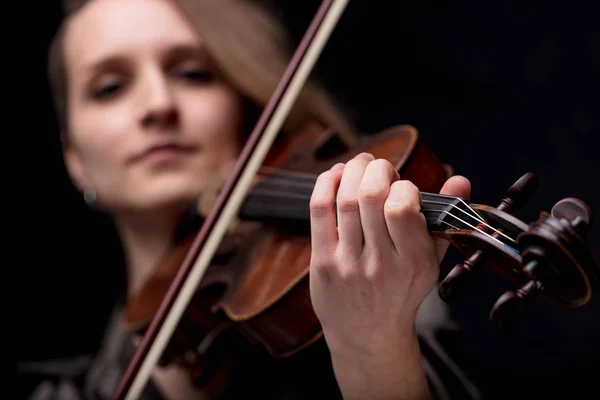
(74, 166)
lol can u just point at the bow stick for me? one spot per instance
(229, 201)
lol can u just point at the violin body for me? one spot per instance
(255, 293)
(271, 302)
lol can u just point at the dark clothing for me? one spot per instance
(307, 376)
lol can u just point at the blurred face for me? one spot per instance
(150, 120)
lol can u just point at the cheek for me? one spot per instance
(214, 119)
(100, 137)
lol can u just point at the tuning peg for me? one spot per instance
(511, 308)
(461, 275)
(576, 212)
(519, 193)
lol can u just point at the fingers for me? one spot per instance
(373, 192)
(457, 186)
(324, 236)
(348, 208)
(402, 211)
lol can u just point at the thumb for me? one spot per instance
(458, 186)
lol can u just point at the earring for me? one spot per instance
(90, 198)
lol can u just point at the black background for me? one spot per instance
(495, 88)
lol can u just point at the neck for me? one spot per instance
(146, 241)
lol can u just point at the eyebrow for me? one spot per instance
(186, 50)
(173, 53)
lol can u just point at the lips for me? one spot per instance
(164, 152)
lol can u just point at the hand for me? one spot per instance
(369, 275)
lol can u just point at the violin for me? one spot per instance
(240, 281)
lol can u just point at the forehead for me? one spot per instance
(105, 28)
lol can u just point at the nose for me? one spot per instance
(158, 106)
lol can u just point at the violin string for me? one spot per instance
(301, 211)
(310, 184)
(471, 212)
(291, 207)
(444, 222)
(305, 180)
(474, 216)
(302, 196)
(475, 228)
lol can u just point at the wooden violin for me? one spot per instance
(242, 278)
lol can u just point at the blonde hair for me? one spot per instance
(251, 49)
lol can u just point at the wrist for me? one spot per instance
(381, 371)
(372, 343)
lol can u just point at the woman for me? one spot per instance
(154, 97)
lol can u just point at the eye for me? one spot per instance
(106, 88)
(194, 74)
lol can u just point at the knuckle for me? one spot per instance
(415, 191)
(347, 204)
(322, 270)
(397, 210)
(320, 206)
(324, 177)
(374, 189)
(403, 201)
(407, 186)
(330, 266)
(374, 270)
(322, 198)
(381, 168)
(355, 162)
(364, 157)
(405, 189)
(387, 170)
(371, 194)
(382, 165)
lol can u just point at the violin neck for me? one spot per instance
(444, 212)
(285, 201)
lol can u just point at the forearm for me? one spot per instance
(395, 372)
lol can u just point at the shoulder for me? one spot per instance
(88, 376)
(111, 361)
(57, 379)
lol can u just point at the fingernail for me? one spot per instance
(366, 156)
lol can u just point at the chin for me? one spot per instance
(171, 200)
(168, 196)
